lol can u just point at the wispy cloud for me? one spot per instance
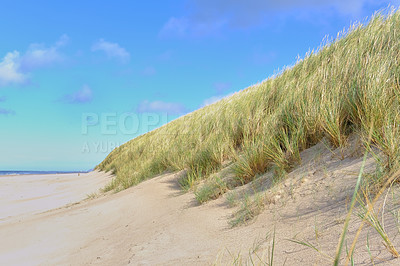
(38, 55)
(62, 41)
(162, 107)
(6, 111)
(15, 69)
(84, 95)
(112, 50)
(207, 17)
(175, 27)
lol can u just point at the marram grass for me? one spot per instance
(337, 90)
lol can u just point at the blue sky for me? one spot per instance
(80, 77)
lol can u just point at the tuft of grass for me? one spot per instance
(232, 198)
(110, 186)
(212, 189)
(251, 163)
(189, 180)
(367, 213)
(370, 206)
(250, 207)
(91, 195)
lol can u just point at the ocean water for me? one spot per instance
(38, 172)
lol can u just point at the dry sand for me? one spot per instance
(155, 223)
(22, 195)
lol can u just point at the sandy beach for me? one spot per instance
(156, 223)
(22, 195)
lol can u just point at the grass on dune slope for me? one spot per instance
(344, 87)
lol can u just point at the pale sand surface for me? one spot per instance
(155, 223)
(29, 194)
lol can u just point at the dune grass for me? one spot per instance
(212, 189)
(336, 90)
(250, 207)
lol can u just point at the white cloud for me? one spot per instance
(15, 68)
(161, 106)
(10, 70)
(112, 50)
(84, 95)
(38, 55)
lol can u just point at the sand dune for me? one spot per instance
(155, 223)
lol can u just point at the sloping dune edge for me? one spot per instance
(156, 223)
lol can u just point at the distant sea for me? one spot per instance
(38, 172)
